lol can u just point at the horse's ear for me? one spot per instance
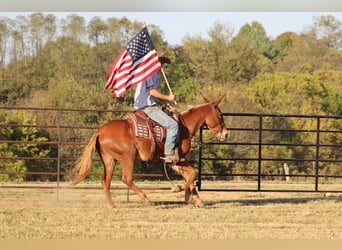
(216, 103)
(205, 99)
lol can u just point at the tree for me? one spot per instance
(306, 55)
(281, 46)
(36, 28)
(255, 36)
(112, 33)
(20, 49)
(331, 94)
(96, 29)
(4, 40)
(329, 29)
(286, 93)
(241, 63)
(126, 30)
(74, 26)
(248, 54)
(220, 38)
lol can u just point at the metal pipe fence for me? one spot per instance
(59, 159)
(316, 154)
(252, 159)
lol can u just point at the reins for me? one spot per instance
(174, 188)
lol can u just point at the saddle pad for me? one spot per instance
(140, 126)
(144, 127)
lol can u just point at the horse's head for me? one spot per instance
(214, 119)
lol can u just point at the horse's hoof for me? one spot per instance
(176, 189)
(189, 198)
(199, 204)
(110, 207)
(147, 202)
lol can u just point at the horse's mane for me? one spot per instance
(193, 109)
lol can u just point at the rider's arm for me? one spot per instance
(155, 93)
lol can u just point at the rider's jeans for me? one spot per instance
(165, 120)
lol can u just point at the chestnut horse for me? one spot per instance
(115, 141)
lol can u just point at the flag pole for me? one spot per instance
(167, 82)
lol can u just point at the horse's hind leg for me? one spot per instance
(127, 178)
(109, 163)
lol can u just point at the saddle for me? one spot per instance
(148, 133)
(145, 127)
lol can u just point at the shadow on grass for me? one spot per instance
(267, 201)
(250, 201)
(169, 204)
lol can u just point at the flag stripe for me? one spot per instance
(135, 63)
(137, 76)
(117, 77)
(140, 65)
(120, 62)
(132, 80)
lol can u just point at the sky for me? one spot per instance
(176, 25)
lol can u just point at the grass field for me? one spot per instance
(82, 214)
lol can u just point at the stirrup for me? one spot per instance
(174, 158)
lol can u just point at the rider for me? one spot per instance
(145, 99)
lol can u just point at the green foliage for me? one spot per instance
(297, 93)
(238, 69)
(255, 36)
(19, 132)
(281, 45)
(328, 29)
(199, 59)
(289, 93)
(187, 90)
(308, 54)
(286, 93)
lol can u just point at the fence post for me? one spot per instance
(317, 152)
(260, 153)
(59, 118)
(287, 172)
(199, 182)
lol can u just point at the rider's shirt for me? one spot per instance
(142, 97)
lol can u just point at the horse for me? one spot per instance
(115, 142)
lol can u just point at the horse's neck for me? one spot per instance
(194, 118)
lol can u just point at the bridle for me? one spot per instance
(220, 121)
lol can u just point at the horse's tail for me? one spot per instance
(84, 163)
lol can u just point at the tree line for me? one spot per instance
(51, 62)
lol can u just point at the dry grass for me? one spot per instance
(82, 214)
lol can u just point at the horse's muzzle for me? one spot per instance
(221, 136)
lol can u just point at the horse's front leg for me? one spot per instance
(191, 194)
(188, 173)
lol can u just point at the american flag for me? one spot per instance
(135, 63)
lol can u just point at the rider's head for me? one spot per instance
(163, 59)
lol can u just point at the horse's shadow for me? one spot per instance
(168, 204)
(252, 201)
(267, 201)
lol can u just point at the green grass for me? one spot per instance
(82, 214)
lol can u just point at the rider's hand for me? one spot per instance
(172, 108)
(171, 97)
